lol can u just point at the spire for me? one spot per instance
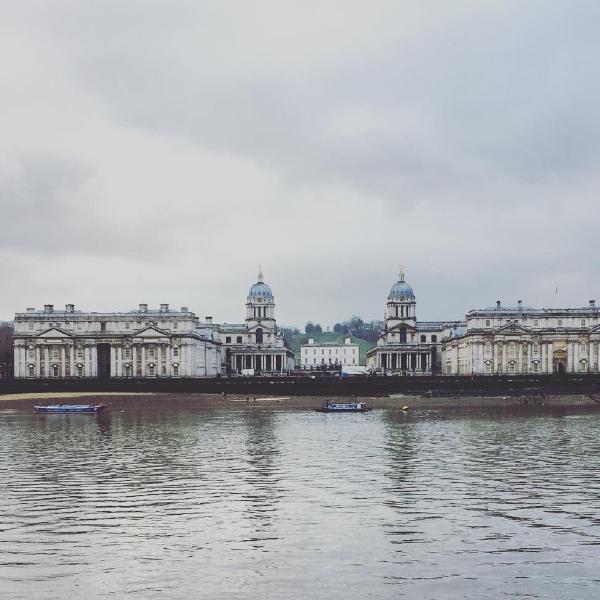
(401, 273)
(260, 275)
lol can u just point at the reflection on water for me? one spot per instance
(264, 503)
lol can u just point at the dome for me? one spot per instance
(260, 290)
(401, 290)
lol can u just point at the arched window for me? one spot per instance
(259, 336)
(402, 334)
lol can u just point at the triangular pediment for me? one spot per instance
(512, 329)
(260, 326)
(55, 332)
(151, 332)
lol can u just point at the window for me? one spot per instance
(30, 325)
(151, 351)
(56, 352)
(127, 352)
(423, 338)
(434, 338)
(79, 371)
(79, 352)
(536, 348)
(127, 325)
(487, 323)
(259, 336)
(536, 367)
(228, 339)
(560, 323)
(583, 322)
(239, 339)
(175, 325)
(102, 326)
(535, 322)
(175, 351)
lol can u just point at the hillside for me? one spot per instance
(331, 338)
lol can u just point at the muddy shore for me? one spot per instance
(569, 403)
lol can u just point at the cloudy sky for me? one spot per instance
(158, 151)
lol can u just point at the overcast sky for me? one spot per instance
(159, 151)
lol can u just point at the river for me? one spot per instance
(271, 503)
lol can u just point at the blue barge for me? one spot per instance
(336, 407)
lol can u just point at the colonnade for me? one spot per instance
(404, 361)
(270, 363)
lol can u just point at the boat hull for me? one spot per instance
(69, 408)
(344, 410)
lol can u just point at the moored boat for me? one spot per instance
(344, 407)
(69, 408)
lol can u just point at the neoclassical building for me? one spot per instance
(520, 339)
(315, 355)
(407, 346)
(53, 343)
(256, 344)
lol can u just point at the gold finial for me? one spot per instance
(260, 275)
(401, 273)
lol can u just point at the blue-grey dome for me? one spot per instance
(401, 290)
(260, 290)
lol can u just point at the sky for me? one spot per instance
(159, 151)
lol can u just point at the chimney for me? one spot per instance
(184, 309)
(49, 308)
(70, 308)
(348, 340)
(143, 308)
(164, 308)
(208, 320)
(31, 310)
(311, 341)
(592, 304)
(497, 303)
(520, 303)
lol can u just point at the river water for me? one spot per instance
(261, 503)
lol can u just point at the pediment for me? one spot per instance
(595, 329)
(55, 332)
(260, 326)
(151, 332)
(513, 329)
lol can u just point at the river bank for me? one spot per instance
(175, 401)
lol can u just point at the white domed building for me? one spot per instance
(407, 346)
(257, 344)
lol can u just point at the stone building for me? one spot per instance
(53, 343)
(407, 346)
(256, 344)
(520, 339)
(314, 354)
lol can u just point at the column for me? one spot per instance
(113, 360)
(134, 360)
(63, 360)
(38, 362)
(94, 369)
(550, 357)
(168, 360)
(47, 360)
(519, 357)
(72, 359)
(569, 357)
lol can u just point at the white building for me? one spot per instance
(314, 355)
(519, 339)
(140, 343)
(256, 344)
(407, 346)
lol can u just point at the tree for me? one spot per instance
(337, 328)
(318, 329)
(309, 328)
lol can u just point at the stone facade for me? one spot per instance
(407, 346)
(519, 339)
(66, 343)
(315, 355)
(256, 345)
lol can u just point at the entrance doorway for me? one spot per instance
(559, 360)
(103, 365)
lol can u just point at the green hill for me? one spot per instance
(329, 338)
